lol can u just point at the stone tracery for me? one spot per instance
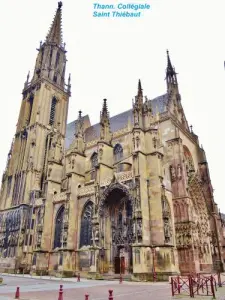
(86, 225)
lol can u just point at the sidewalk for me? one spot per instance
(69, 279)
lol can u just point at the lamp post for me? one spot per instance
(154, 250)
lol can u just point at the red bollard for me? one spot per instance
(110, 294)
(121, 278)
(86, 297)
(60, 292)
(78, 277)
(17, 295)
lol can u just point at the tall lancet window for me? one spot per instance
(52, 111)
(118, 156)
(86, 225)
(30, 102)
(118, 152)
(94, 163)
(59, 228)
(57, 59)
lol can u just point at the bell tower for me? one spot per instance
(41, 124)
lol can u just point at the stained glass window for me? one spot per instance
(118, 152)
(86, 225)
(59, 228)
(94, 160)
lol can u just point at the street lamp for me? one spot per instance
(154, 250)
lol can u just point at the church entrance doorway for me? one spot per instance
(119, 265)
(117, 225)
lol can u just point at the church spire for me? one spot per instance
(51, 59)
(105, 133)
(55, 32)
(171, 75)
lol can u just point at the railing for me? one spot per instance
(199, 285)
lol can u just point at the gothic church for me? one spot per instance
(130, 195)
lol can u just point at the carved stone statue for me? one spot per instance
(139, 228)
(21, 240)
(137, 141)
(66, 217)
(172, 173)
(72, 163)
(38, 239)
(113, 234)
(97, 193)
(65, 235)
(49, 172)
(96, 233)
(179, 172)
(100, 153)
(167, 231)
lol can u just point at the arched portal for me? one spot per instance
(116, 224)
(59, 227)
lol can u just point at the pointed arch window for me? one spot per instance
(118, 152)
(94, 160)
(86, 225)
(52, 111)
(57, 59)
(55, 78)
(30, 101)
(42, 56)
(50, 57)
(59, 227)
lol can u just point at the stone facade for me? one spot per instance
(129, 195)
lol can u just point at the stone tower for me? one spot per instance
(37, 150)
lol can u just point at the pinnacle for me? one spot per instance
(139, 88)
(105, 108)
(105, 113)
(55, 32)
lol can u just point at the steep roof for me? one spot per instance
(117, 122)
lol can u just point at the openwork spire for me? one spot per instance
(170, 71)
(55, 32)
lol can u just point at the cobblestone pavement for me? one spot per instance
(44, 288)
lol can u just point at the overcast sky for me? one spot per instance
(107, 56)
